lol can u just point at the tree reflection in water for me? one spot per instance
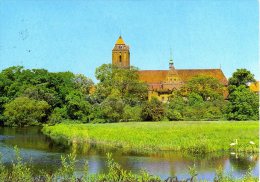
(243, 162)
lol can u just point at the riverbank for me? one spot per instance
(187, 136)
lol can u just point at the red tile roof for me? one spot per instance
(159, 76)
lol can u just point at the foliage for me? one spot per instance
(244, 104)
(193, 108)
(207, 87)
(200, 99)
(40, 86)
(119, 96)
(153, 110)
(125, 81)
(197, 137)
(77, 106)
(241, 77)
(132, 113)
(58, 115)
(222, 177)
(23, 111)
(112, 107)
(83, 84)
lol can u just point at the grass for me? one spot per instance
(190, 136)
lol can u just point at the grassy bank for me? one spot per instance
(196, 137)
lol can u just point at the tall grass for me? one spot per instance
(193, 137)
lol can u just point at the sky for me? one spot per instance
(78, 36)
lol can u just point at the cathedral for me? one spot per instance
(161, 83)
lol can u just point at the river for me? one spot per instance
(42, 153)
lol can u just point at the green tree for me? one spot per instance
(113, 107)
(58, 115)
(40, 92)
(207, 87)
(41, 85)
(126, 81)
(175, 107)
(244, 104)
(24, 111)
(77, 106)
(83, 83)
(132, 113)
(153, 110)
(241, 77)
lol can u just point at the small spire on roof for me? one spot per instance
(171, 60)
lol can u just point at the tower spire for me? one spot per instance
(171, 60)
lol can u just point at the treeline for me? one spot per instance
(33, 97)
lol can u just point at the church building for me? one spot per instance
(162, 83)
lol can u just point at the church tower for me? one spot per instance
(172, 76)
(121, 54)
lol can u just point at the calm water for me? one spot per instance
(42, 153)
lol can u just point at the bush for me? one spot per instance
(58, 115)
(23, 111)
(153, 110)
(132, 113)
(173, 115)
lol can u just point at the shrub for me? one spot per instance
(23, 111)
(153, 110)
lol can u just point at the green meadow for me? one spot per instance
(186, 136)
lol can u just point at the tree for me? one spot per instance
(153, 110)
(24, 111)
(113, 107)
(58, 115)
(41, 85)
(77, 106)
(175, 107)
(40, 92)
(207, 87)
(83, 83)
(193, 107)
(126, 81)
(132, 113)
(241, 77)
(244, 104)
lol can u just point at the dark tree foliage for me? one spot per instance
(125, 81)
(207, 87)
(23, 111)
(36, 96)
(200, 99)
(153, 110)
(118, 94)
(38, 86)
(241, 77)
(244, 104)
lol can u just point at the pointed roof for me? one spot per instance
(120, 40)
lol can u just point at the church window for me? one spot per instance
(120, 58)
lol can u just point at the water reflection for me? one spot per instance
(243, 162)
(44, 154)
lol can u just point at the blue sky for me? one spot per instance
(78, 36)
